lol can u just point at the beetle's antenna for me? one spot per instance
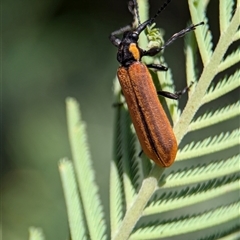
(151, 20)
(134, 10)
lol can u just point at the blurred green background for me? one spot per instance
(52, 50)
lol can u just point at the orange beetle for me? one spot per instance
(152, 126)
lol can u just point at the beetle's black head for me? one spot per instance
(128, 50)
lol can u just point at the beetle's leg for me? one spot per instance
(151, 52)
(119, 104)
(175, 95)
(158, 67)
(180, 34)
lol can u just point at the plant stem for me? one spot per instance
(135, 211)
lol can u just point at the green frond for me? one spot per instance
(75, 210)
(209, 145)
(129, 158)
(205, 3)
(138, 187)
(155, 36)
(191, 195)
(211, 118)
(117, 145)
(117, 197)
(175, 189)
(224, 86)
(230, 60)
(88, 189)
(117, 206)
(143, 7)
(190, 66)
(226, 12)
(196, 174)
(189, 224)
(229, 234)
(36, 234)
(129, 188)
(236, 36)
(190, 53)
(203, 34)
(209, 71)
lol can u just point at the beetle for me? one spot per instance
(152, 126)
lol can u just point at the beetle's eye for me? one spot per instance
(135, 36)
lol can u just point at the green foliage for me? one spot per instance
(205, 172)
(85, 211)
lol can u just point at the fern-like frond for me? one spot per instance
(230, 60)
(211, 118)
(140, 188)
(193, 223)
(236, 36)
(209, 145)
(214, 178)
(75, 212)
(191, 195)
(129, 156)
(225, 14)
(225, 86)
(190, 53)
(209, 71)
(203, 34)
(144, 15)
(117, 198)
(196, 174)
(205, 3)
(36, 234)
(222, 234)
(93, 210)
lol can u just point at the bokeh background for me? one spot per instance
(52, 50)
